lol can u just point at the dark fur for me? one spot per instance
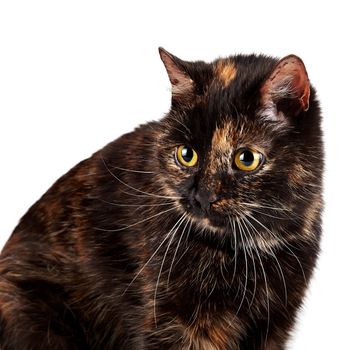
(68, 271)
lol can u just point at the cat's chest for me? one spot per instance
(220, 332)
(207, 331)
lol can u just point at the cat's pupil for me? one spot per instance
(187, 154)
(247, 158)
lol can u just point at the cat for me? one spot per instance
(198, 231)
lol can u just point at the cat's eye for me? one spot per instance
(247, 159)
(186, 156)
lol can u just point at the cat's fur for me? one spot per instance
(118, 254)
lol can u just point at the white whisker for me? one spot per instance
(268, 215)
(252, 256)
(177, 248)
(172, 117)
(267, 293)
(173, 232)
(187, 246)
(240, 229)
(133, 188)
(148, 261)
(132, 170)
(282, 242)
(262, 206)
(233, 226)
(278, 264)
(137, 223)
(136, 205)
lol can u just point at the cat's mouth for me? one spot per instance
(208, 218)
(217, 225)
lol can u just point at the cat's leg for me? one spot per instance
(275, 339)
(274, 345)
(33, 316)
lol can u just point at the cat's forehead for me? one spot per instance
(225, 71)
(242, 70)
(234, 85)
(233, 133)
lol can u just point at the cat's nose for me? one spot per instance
(204, 199)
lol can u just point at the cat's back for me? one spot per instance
(62, 212)
(46, 266)
(39, 262)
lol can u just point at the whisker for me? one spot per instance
(173, 231)
(262, 206)
(186, 240)
(116, 204)
(211, 292)
(279, 239)
(172, 117)
(252, 256)
(267, 293)
(276, 259)
(148, 261)
(133, 188)
(282, 242)
(240, 229)
(147, 196)
(286, 245)
(267, 299)
(271, 252)
(179, 130)
(233, 227)
(139, 222)
(133, 170)
(177, 248)
(268, 215)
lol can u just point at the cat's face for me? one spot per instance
(240, 144)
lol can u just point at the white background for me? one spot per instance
(75, 75)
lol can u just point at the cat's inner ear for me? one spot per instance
(181, 83)
(287, 88)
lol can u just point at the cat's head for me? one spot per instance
(241, 145)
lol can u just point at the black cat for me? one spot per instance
(199, 231)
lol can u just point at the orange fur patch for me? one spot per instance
(214, 333)
(226, 72)
(222, 138)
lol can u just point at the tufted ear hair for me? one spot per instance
(287, 89)
(182, 86)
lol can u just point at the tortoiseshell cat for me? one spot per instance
(199, 231)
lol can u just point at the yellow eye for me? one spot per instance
(187, 156)
(247, 159)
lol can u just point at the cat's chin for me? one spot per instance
(214, 231)
(207, 223)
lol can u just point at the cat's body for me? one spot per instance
(133, 250)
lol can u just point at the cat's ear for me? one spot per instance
(182, 86)
(287, 89)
